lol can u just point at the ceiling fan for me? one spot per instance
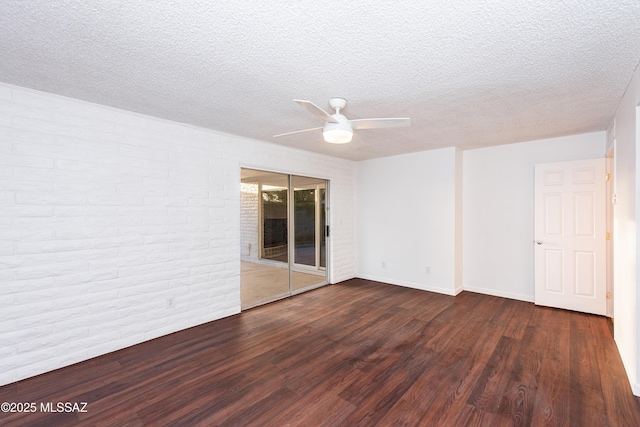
(338, 129)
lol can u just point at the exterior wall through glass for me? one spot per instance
(283, 224)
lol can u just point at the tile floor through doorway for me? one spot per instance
(261, 282)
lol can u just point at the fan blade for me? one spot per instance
(296, 131)
(315, 110)
(399, 122)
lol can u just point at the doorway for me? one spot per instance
(283, 235)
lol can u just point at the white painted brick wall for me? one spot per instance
(249, 230)
(106, 214)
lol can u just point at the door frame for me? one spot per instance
(290, 240)
(611, 214)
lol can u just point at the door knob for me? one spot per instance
(539, 242)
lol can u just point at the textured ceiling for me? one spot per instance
(469, 73)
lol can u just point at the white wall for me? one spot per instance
(625, 239)
(407, 220)
(498, 190)
(106, 214)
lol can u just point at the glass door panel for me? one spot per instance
(275, 236)
(264, 215)
(304, 215)
(309, 246)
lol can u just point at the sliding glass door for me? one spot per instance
(283, 235)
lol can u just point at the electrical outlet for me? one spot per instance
(171, 302)
(427, 270)
(384, 264)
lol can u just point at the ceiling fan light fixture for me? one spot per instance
(337, 133)
(337, 136)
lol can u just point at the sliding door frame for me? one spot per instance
(292, 267)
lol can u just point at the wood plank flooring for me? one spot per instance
(359, 353)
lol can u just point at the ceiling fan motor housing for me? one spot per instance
(337, 103)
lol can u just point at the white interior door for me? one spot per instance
(570, 231)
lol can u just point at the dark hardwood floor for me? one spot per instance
(359, 353)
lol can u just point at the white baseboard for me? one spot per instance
(629, 368)
(495, 293)
(419, 286)
(447, 291)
